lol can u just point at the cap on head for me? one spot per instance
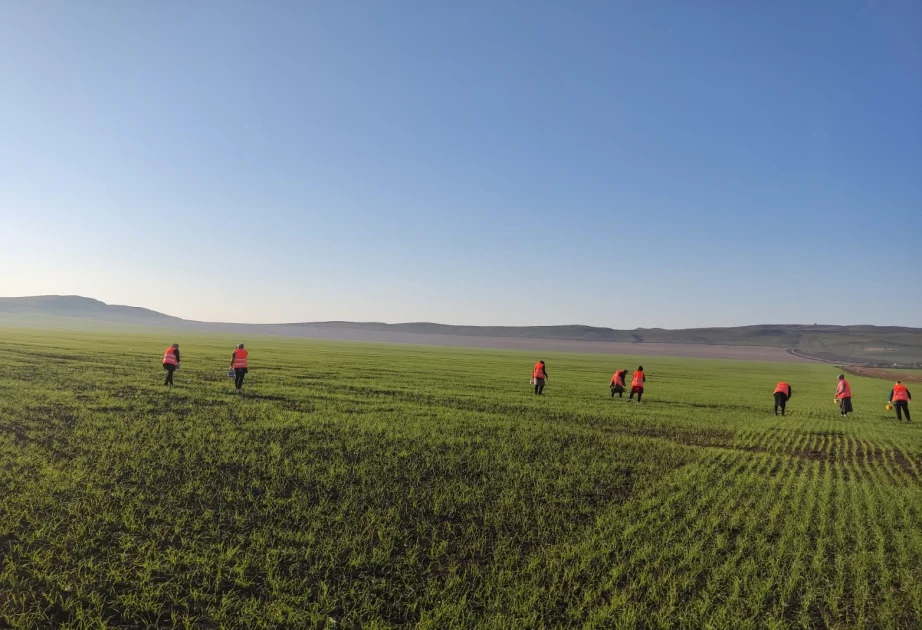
(240, 346)
(175, 345)
(899, 382)
(841, 377)
(640, 367)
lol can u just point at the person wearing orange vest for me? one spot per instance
(239, 364)
(783, 394)
(539, 377)
(170, 363)
(617, 383)
(637, 384)
(844, 396)
(900, 398)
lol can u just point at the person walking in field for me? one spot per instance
(617, 383)
(239, 365)
(539, 377)
(783, 394)
(170, 363)
(637, 383)
(899, 398)
(844, 396)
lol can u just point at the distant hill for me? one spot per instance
(865, 345)
(77, 306)
(568, 332)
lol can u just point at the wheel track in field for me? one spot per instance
(863, 572)
(727, 571)
(707, 516)
(659, 522)
(858, 456)
(735, 528)
(790, 595)
(652, 519)
(842, 503)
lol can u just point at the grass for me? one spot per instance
(870, 346)
(358, 485)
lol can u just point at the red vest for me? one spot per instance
(538, 372)
(240, 358)
(900, 393)
(783, 388)
(169, 358)
(637, 381)
(843, 390)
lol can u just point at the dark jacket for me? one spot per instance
(908, 393)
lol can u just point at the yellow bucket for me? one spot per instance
(889, 407)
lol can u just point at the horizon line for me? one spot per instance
(410, 323)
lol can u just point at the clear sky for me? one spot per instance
(496, 162)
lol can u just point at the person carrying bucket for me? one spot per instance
(844, 396)
(899, 398)
(539, 377)
(239, 365)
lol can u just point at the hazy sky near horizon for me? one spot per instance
(497, 162)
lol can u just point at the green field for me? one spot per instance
(376, 486)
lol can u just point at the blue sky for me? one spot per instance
(615, 164)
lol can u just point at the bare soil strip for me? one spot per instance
(691, 350)
(890, 375)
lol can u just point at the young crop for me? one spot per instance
(361, 485)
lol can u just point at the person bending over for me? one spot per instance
(783, 393)
(617, 383)
(170, 363)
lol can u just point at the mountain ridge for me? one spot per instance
(861, 343)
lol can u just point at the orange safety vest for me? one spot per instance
(618, 379)
(637, 381)
(169, 358)
(240, 358)
(900, 393)
(538, 372)
(843, 390)
(783, 388)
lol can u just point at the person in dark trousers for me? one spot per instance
(617, 383)
(637, 382)
(539, 377)
(240, 366)
(170, 363)
(844, 396)
(783, 393)
(899, 398)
